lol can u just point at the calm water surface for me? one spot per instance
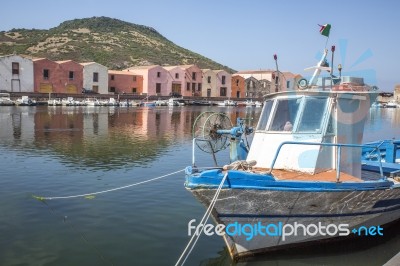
(59, 151)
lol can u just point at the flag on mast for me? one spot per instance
(325, 29)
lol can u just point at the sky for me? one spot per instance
(244, 35)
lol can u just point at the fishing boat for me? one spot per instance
(386, 153)
(301, 181)
(25, 101)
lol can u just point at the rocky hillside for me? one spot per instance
(111, 42)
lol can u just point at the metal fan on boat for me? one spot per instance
(205, 131)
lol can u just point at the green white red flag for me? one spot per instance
(325, 29)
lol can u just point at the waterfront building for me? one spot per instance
(176, 81)
(16, 73)
(46, 76)
(238, 87)
(193, 80)
(253, 87)
(70, 76)
(216, 83)
(95, 77)
(124, 82)
(155, 79)
(396, 94)
(282, 81)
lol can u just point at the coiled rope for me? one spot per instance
(105, 191)
(202, 222)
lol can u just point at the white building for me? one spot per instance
(16, 73)
(95, 77)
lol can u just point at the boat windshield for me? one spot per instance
(262, 124)
(285, 114)
(312, 115)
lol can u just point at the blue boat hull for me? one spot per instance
(279, 203)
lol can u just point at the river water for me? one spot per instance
(62, 151)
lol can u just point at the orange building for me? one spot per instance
(238, 87)
(125, 82)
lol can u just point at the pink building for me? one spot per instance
(193, 80)
(155, 79)
(57, 77)
(124, 82)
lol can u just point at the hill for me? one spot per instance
(114, 43)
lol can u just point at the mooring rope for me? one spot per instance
(202, 222)
(105, 191)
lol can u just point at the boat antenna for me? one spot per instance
(277, 74)
(333, 53)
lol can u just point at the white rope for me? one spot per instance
(202, 222)
(108, 190)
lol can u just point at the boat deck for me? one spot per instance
(327, 176)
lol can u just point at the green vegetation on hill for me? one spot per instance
(114, 43)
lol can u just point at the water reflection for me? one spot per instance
(102, 137)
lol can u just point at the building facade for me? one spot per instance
(124, 82)
(238, 87)
(176, 81)
(95, 77)
(46, 76)
(16, 73)
(155, 79)
(71, 76)
(193, 80)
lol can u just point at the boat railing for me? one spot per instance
(338, 153)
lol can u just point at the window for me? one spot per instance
(193, 86)
(46, 74)
(112, 77)
(288, 84)
(237, 82)
(134, 78)
(15, 68)
(209, 79)
(158, 87)
(158, 74)
(222, 91)
(285, 114)
(193, 75)
(112, 89)
(312, 117)
(262, 123)
(223, 80)
(95, 77)
(188, 86)
(176, 75)
(199, 87)
(71, 75)
(95, 88)
(134, 90)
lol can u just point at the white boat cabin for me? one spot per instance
(311, 116)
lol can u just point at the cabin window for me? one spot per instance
(313, 114)
(262, 124)
(285, 114)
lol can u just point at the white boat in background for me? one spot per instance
(54, 102)
(392, 104)
(25, 101)
(109, 102)
(227, 103)
(92, 102)
(160, 102)
(175, 102)
(5, 100)
(258, 104)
